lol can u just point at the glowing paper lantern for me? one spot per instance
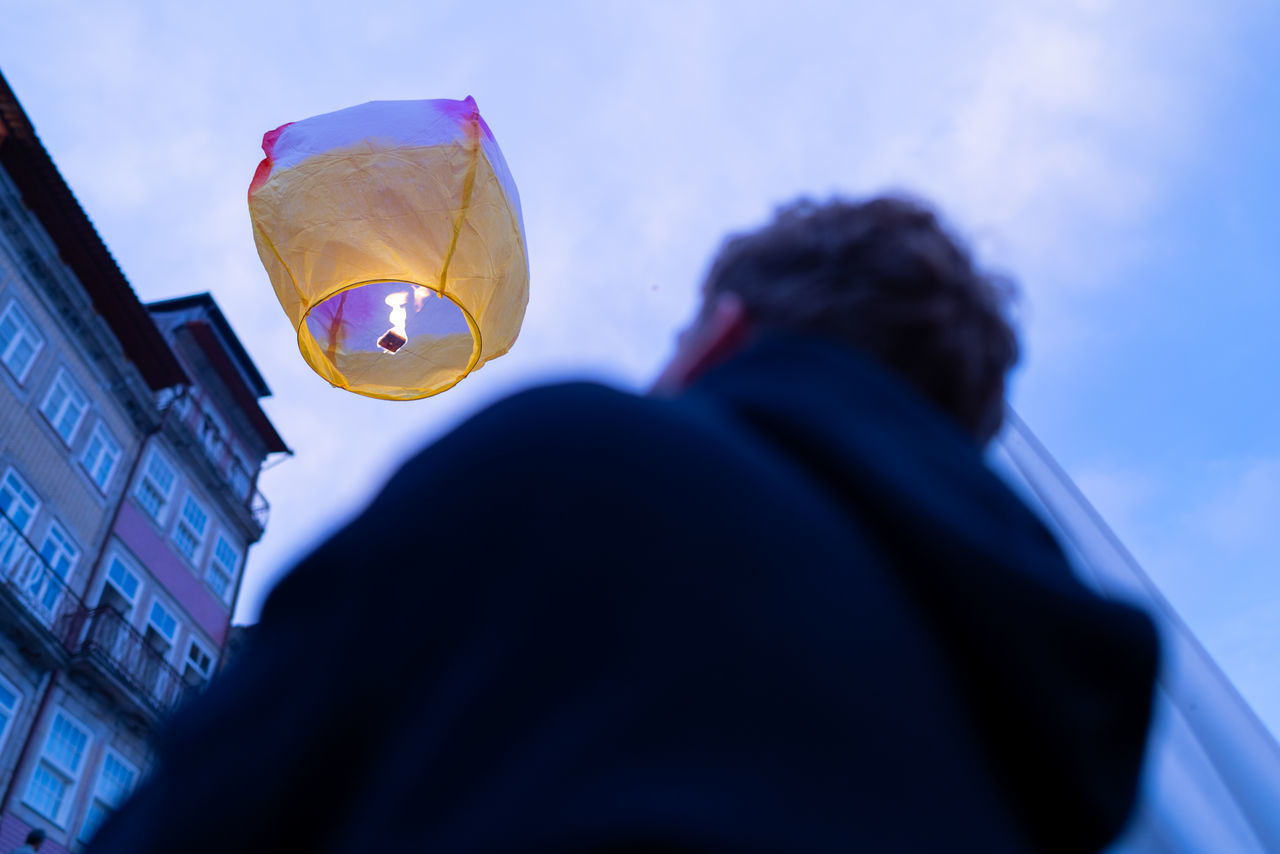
(392, 234)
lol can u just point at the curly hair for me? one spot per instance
(884, 276)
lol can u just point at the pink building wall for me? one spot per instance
(13, 832)
(138, 533)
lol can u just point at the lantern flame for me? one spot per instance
(419, 294)
(395, 337)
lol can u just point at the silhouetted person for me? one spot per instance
(34, 840)
(779, 605)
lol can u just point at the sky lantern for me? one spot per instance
(392, 235)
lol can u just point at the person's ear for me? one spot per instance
(721, 330)
(725, 331)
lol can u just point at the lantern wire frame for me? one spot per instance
(451, 123)
(326, 368)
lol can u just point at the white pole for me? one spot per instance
(1212, 776)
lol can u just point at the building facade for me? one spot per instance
(131, 438)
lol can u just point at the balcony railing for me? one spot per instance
(203, 430)
(32, 581)
(260, 509)
(102, 635)
(99, 635)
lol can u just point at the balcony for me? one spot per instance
(52, 624)
(35, 603)
(104, 645)
(226, 473)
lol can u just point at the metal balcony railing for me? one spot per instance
(204, 431)
(103, 636)
(30, 579)
(100, 635)
(260, 509)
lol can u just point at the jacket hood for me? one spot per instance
(1058, 681)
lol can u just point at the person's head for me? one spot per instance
(36, 838)
(882, 276)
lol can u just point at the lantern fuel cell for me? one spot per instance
(392, 341)
(360, 215)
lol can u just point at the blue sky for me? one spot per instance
(1118, 159)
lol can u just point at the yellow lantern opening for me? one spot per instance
(355, 332)
(393, 237)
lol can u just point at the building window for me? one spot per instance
(59, 550)
(64, 405)
(115, 782)
(238, 475)
(223, 567)
(199, 665)
(211, 432)
(18, 501)
(58, 769)
(100, 455)
(156, 485)
(20, 341)
(121, 588)
(124, 580)
(60, 553)
(188, 534)
(10, 699)
(163, 623)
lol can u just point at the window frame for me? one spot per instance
(107, 440)
(157, 602)
(72, 777)
(194, 641)
(212, 433)
(216, 565)
(95, 796)
(71, 388)
(68, 543)
(145, 478)
(238, 474)
(113, 557)
(33, 510)
(7, 729)
(181, 522)
(22, 318)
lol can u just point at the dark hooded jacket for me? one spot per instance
(790, 611)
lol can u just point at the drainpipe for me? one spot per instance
(124, 493)
(235, 598)
(51, 679)
(244, 565)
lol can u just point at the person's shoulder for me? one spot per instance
(569, 401)
(570, 415)
(554, 423)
